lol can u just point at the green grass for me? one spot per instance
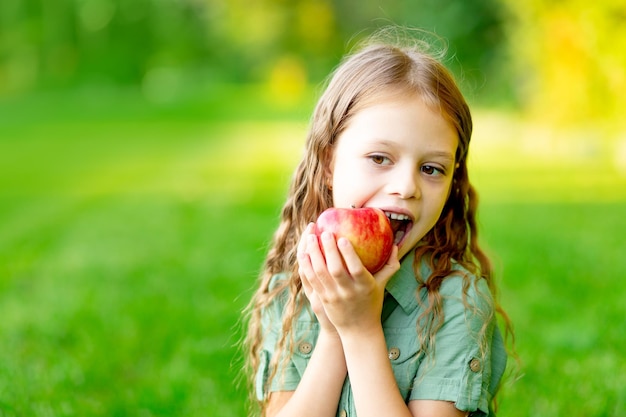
(130, 240)
(562, 267)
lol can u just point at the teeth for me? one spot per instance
(397, 216)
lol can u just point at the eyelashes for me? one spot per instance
(380, 159)
(428, 169)
(432, 170)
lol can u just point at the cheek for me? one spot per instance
(343, 173)
(447, 198)
(438, 204)
(448, 193)
(450, 187)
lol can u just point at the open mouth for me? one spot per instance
(401, 224)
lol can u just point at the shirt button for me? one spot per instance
(394, 353)
(343, 413)
(474, 365)
(305, 348)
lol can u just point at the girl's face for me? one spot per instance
(397, 155)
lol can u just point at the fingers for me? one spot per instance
(323, 253)
(303, 239)
(342, 292)
(326, 263)
(305, 268)
(391, 267)
(359, 272)
(335, 267)
(352, 261)
(311, 262)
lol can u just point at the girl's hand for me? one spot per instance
(304, 268)
(350, 295)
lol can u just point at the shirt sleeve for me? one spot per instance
(292, 360)
(459, 369)
(286, 377)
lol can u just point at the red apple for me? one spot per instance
(368, 229)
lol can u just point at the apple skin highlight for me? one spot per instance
(368, 230)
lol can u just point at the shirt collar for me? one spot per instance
(403, 285)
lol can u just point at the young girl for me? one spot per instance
(419, 337)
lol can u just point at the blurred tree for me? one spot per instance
(473, 32)
(67, 42)
(570, 59)
(162, 45)
(312, 35)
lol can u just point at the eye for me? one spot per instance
(379, 159)
(432, 170)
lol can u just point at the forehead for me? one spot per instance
(405, 121)
(398, 93)
(388, 93)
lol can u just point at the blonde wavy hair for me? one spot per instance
(381, 65)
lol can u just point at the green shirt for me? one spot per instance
(458, 370)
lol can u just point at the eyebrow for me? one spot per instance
(448, 156)
(441, 154)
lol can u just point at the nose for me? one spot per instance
(405, 183)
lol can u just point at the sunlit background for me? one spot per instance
(145, 151)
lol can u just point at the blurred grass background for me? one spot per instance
(145, 151)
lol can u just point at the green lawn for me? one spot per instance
(131, 236)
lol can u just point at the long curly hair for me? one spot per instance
(380, 66)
